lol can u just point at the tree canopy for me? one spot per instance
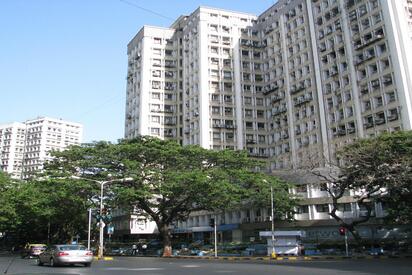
(44, 210)
(382, 167)
(374, 170)
(167, 182)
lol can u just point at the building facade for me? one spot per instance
(290, 86)
(26, 146)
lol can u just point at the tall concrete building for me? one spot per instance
(24, 147)
(290, 86)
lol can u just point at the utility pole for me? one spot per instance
(89, 229)
(273, 255)
(215, 229)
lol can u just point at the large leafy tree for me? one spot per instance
(375, 170)
(44, 209)
(168, 181)
(382, 167)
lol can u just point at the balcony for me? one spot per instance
(278, 111)
(368, 124)
(368, 41)
(351, 130)
(258, 155)
(380, 120)
(270, 89)
(393, 116)
(250, 141)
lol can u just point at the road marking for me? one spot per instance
(225, 271)
(134, 269)
(190, 266)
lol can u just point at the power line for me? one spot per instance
(147, 10)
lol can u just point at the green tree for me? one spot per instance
(170, 181)
(45, 210)
(375, 169)
(382, 167)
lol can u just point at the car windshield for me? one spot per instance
(72, 247)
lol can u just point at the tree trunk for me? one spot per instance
(167, 242)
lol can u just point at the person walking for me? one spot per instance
(134, 250)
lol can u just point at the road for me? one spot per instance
(160, 266)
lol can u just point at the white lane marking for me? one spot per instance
(189, 266)
(225, 271)
(134, 269)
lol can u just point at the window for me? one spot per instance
(156, 73)
(213, 28)
(155, 119)
(155, 131)
(248, 113)
(345, 207)
(302, 209)
(322, 208)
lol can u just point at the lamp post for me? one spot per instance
(101, 223)
(273, 222)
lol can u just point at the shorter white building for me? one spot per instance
(24, 147)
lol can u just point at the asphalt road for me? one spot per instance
(160, 266)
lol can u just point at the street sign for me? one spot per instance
(103, 224)
(110, 229)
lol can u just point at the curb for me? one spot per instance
(293, 258)
(104, 258)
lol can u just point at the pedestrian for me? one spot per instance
(134, 249)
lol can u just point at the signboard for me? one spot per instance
(110, 229)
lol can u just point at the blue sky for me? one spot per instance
(67, 58)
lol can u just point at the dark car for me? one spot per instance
(66, 254)
(33, 250)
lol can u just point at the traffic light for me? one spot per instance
(96, 214)
(212, 222)
(342, 231)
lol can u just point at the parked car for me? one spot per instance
(33, 250)
(66, 254)
(255, 250)
(120, 251)
(151, 248)
(375, 251)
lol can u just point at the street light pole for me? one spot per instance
(89, 229)
(101, 232)
(273, 222)
(215, 229)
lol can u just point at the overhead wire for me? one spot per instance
(146, 10)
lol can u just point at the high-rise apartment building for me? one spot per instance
(290, 86)
(24, 147)
(12, 140)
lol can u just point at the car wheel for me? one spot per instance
(52, 263)
(87, 264)
(39, 263)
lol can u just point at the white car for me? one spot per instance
(66, 254)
